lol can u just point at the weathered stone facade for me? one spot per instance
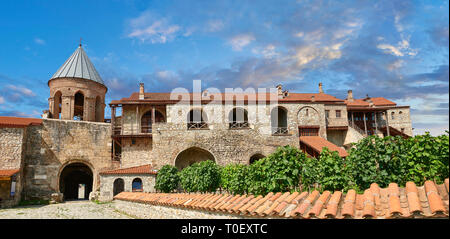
(56, 144)
(107, 184)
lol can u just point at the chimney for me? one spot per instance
(320, 88)
(350, 95)
(141, 91)
(280, 91)
(313, 99)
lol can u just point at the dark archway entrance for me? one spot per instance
(256, 157)
(191, 156)
(75, 181)
(119, 186)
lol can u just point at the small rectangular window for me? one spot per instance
(338, 114)
(327, 114)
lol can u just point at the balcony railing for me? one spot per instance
(280, 130)
(197, 125)
(132, 130)
(239, 125)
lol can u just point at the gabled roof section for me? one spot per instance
(377, 101)
(143, 169)
(292, 97)
(17, 122)
(78, 66)
(317, 143)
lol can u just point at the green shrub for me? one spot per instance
(332, 172)
(167, 179)
(427, 158)
(278, 172)
(234, 178)
(201, 177)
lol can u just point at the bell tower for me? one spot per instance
(77, 92)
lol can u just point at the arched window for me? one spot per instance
(392, 115)
(78, 106)
(98, 109)
(238, 118)
(57, 105)
(146, 121)
(197, 119)
(136, 185)
(278, 118)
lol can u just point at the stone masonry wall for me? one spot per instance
(57, 143)
(402, 119)
(12, 143)
(227, 145)
(107, 184)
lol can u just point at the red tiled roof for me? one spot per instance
(292, 97)
(8, 172)
(144, 169)
(317, 143)
(17, 122)
(377, 101)
(427, 201)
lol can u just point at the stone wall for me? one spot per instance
(226, 145)
(57, 143)
(402, 119)
(12, 145)
(147, 211)
(107, 184)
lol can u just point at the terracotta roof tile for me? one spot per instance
(8, 172)
(318, 143)
(144, 169)
(17, 122)
(426, 201)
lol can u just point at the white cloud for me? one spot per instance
(267, 52)
(214, 25)
(240, 41)
(147, 27)
(39, 41)
(2, 100)
(21, 89)
(401, 49)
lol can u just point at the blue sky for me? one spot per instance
(394, 49)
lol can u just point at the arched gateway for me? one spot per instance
(75, 181)
(191, 156)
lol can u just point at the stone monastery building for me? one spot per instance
(74, 153)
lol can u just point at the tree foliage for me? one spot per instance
(234, 178)
(201, 177)
(278, 172)
(167, 179)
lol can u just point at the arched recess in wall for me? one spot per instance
(57, 105)
(146, 120)
(255, 158)
(98, 109)
(278, 120)
(308, 116)
(118, 186)
(78, 111)
(192, 155)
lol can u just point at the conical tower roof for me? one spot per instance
(78, 66)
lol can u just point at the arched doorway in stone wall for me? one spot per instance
(75, 181)
(192, 155)
(118, 187)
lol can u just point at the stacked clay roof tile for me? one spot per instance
(427, 201)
